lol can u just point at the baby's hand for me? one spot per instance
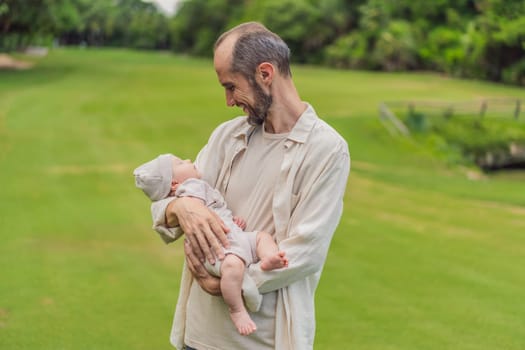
(239, 222)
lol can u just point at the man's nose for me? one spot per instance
(230, 101)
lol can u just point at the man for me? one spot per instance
(284, 171)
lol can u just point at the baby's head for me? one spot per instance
(161, 176)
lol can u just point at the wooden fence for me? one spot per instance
(489, 107)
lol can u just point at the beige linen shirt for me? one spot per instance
(307, 206)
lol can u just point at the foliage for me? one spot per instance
(25, 22)
(307, 26)
(348, 51)
(473, 137)
(297, 23)
(515, 74)
(443, 49)
(395, 47)
(482, 39)
(127, 23)
(479, 138)
(199, 22)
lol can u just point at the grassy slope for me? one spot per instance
(423, 259)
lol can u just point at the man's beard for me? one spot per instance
(259, 111)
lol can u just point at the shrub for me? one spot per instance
(349, 51)
(417, 121)
(488, 142)
(515, 74)
(442, 49)
(395, 48)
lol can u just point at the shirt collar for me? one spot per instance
(298, 134)
(304, 125)
(244, 131)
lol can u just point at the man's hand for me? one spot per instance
(204, 230)
(209, 283)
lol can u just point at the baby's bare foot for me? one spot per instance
(274, 262)
(243, 322)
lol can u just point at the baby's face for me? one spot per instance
(183, 170)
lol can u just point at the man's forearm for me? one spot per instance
(211, 285)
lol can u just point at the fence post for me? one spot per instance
(483, 108)
(517, 110)
(449, 112)
(386, 115)
(411, 109)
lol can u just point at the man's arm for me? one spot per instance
(164, 214)
(204, 230)
(311, 227)
(209, 283)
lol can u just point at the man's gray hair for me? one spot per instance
(256, 44)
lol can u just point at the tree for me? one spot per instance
(198, 23)
(503, 24)
(25, 22)
(129, 23)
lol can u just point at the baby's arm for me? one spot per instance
(239, 222)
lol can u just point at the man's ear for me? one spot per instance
(265, 73)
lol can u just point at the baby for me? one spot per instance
(167, 176)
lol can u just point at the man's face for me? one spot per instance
(240, 92)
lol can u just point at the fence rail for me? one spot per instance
(494, 107)
(506, 107)
(391, 122)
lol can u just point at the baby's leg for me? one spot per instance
(232, 272)
(268, 252)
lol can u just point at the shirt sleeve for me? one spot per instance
(158, 210)
(311, 227)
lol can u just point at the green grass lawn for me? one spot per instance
(424, 257)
